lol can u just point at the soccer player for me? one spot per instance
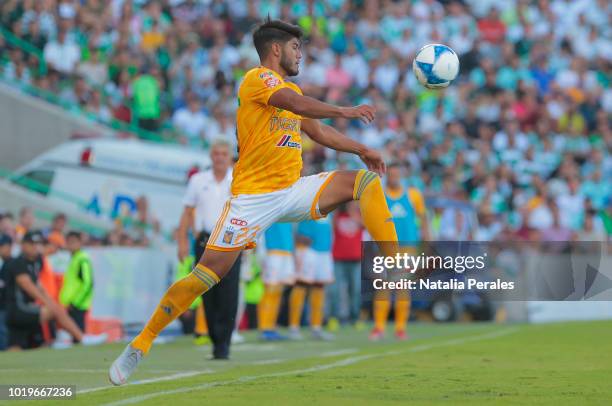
(267, 186)
(278, 272)
(409, 216)
(315, 270)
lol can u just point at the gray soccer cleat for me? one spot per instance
(294, 334)
(124, 365)
(321, 335)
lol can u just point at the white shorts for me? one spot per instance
(314, 266)
(279, 268)
(245, 217)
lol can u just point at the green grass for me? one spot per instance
(568, 363)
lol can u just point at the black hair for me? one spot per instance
(394, 164)
(271, 31)
(74, 234)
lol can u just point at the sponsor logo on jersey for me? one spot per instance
(284, 124)
(285, 141)
(238, 222)
(269, 79)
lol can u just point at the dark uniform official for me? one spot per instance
(206, 195)
(6, 247)
(22, 313)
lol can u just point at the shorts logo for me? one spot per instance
(238, 222)
(228, 236)
(285, 141)
(167, 310)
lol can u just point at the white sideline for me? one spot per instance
(151, 380)
(340, 363)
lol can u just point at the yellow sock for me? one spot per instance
(402, 311)
(317, 301)
(267, 310)
(201, 327)
(277, 296)
(296, 304)
(263, 311)
(177, 299)
(382, 304)
(377, 218)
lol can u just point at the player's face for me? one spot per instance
(394, 175)
(31, 250)
(73, 244)
(291, 55)
(220, 157)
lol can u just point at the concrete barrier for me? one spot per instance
(31, 126)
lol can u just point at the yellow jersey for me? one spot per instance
(269, 140)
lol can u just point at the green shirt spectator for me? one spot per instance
(146, 97)
(77, 289)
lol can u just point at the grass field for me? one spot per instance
(569, 363)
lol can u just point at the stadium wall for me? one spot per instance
(31, 126)
(129, 282)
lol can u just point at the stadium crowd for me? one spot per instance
(523, 134)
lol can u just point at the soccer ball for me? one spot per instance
(435, 66)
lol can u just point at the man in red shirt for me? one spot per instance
(491, 28)
(346, 251)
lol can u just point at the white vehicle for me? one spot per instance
(105, 177)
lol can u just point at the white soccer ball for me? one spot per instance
(435, 66)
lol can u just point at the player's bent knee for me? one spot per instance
(363, 180)
(220, 262)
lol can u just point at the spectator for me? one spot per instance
(343, 295)
(26, 222)
(146, 89)
(337, 80)
(62, 54)
(7, 225)
(191, 122)
(77, 290)
(6, 256)
(93, 70)
(606, 219)
(55, 234)
(492, 28)
(592, 230)
(556, 231)
(571, 204)
(24, 315)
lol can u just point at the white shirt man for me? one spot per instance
(207, 196)
(62, 54)
(191, 123)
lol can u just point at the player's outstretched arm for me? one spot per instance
(306, 106)
(332, 138)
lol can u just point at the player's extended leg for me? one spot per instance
(213, 265)
(365, 187)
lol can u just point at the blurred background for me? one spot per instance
(107, 108)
